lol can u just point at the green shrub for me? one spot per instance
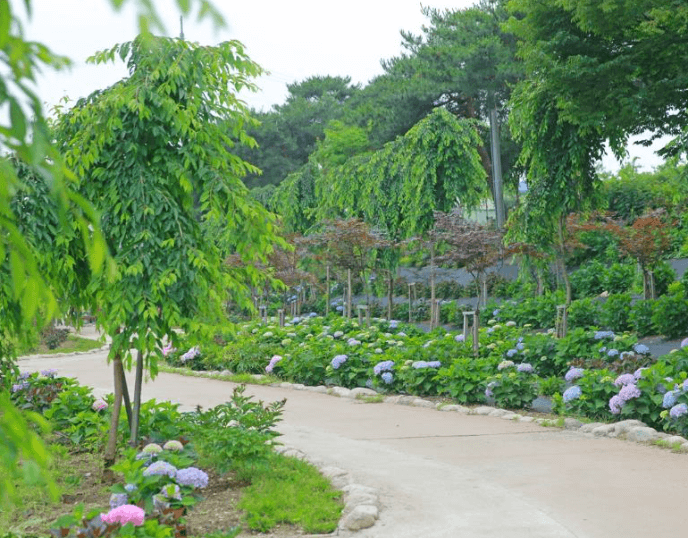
(664, 275)
(640, 317)
(512, 389)
(464, 379)
(670, 316)
(588, 281)
(584, 313)
(615, 313)
(619, 277)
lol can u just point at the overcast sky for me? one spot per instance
(293, 39)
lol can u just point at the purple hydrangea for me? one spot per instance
(573, 374)
(49, 373)
(459, 338)
(160, 468)
(384, 366)
(625, 379)
(19, 386)
(172, 491)
(338, 360)
(616, 404)
(684, 342)
(24, 375)
(525, 367)
(572, 393)
(273, 362)
(191, 354)
(678, 410)
(669, 399)
(191, 476)
(387, 377)
(638, 373)
(118, 499)
(628, 392)
(353, 342)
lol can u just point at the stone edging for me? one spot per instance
(362, 504)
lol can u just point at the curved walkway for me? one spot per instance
(448, 475)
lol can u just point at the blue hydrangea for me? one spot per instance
(625, 379)
(130, 487)
(525, 367)
(118, 499)
(613, 353)
(669, 399)
(572, 393)
(387, 377)
(520, 346)
(678, 410)
(191, 476)
(393, 324)
(459, 338)
(338, 360)
(573, 374)
(616, 404)
(641, 349)
(384, 366)
(495, 313)
(603, 349)
(511, 353)
(628, 392)
(160, 468)
(685, 386)
(601, 335)
(425, 364)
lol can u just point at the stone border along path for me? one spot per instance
(362, 503)
(493, 496)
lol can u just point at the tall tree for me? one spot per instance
(153, 153)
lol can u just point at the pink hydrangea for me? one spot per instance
(99, 405)
(127, 513)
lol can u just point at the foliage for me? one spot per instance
(512, 389)
(463, 380)
(640, 317)
(670, 316)
(616, 311)
(584, 313)
(597, 387)
(237, 434)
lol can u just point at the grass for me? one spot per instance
(73, 344)
(293, 492)
(676, 447)
(241, 379)
(377, 398)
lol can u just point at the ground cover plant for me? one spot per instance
(210, 472)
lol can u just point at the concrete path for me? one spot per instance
(447, 475)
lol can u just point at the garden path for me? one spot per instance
(442, 475)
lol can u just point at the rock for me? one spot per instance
(625, 425)
(255, 376)
(572, 424)
(587, 428)
(227, 373)
(684, 447)
(527, 419)
(498, 413)
(392, 399)
(298, 386)
(285, 385)
(508, 416)
(675, 440)
(420, 402)
(352, 489)
(320, 388)
(362, 391)
(456, 408)
(641, 434)
(483, 410)
(341, 392)
(604, 430)
(361, 517)
(354, 499)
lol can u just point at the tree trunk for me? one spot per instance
(432, 287)
(134, 423)
(125, 393)
(348, 293)
(562, 262)
(111, 447)
(390, 296)
(497, 169)
(327, 290)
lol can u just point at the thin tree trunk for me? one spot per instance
(125, 393)
(327, 290)
(390, 296)
(562, 262)
(111, 447)
(134, 423)
(348, 293)
(432, 287)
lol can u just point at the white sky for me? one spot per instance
(293, 39)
